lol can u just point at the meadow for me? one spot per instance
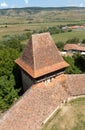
(11, 27)
(69, 35)
(22, 28)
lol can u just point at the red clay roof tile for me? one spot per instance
(74, 47)
(40, 101)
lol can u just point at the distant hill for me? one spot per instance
(30, 10)
(40, 14)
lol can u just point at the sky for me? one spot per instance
(40, 3)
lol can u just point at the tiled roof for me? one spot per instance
(41, 56)
(34, 107)
(76, 84)
(76, 27)
(40, 101)
(74, 47)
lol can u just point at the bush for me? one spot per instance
(72, 69)
(69, 30)
(80, 62)
(83, 41)
(60, 45)
(73, 40)
(12, 42)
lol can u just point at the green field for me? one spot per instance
(20, 29)
(69, 35)
(70, 117)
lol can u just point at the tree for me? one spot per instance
(60, 45)
(83, 41)
(8, 88)
(8, 94)
(72, 69)
(80, 62)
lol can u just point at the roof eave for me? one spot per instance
(41, 72)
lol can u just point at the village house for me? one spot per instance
(70, 49)
(42, 68)
(75, 27)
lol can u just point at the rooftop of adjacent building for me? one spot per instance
(77, 47)
(40, 101)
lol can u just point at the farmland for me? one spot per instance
(19, 21)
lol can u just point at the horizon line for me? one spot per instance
(43, 7)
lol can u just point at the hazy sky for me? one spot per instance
(41, 3)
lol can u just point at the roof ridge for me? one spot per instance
(34, 67)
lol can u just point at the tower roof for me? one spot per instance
(41, 56)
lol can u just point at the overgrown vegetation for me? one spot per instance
(77, 64)
(73, 40)
(8, 89)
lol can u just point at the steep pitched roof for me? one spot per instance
(41, 56)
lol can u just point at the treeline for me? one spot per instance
(53, 30)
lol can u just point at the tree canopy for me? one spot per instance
(9, 73)
(77, 64)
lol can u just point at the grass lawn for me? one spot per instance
(68, 35)
(70, 117)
